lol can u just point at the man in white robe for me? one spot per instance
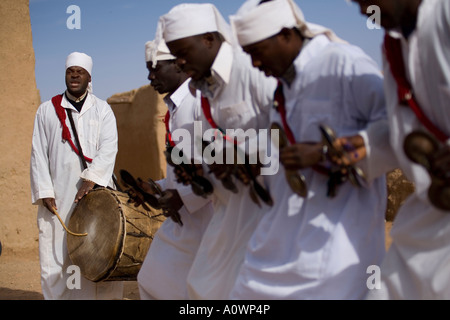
(317, 246)
(168, 261)
(240, 97)
(58, 179)
(416, 265)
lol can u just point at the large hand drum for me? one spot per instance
(118, 235)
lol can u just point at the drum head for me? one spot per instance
(100, 216)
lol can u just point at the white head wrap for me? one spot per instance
(157, 51)
(79, 59)
(255, 22)
(191, 19)
(149, 48)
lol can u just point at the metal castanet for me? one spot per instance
(148, 198)
(175, 216)
(257, 188)
(227, 177)
(420, 147)
(439, 194)
(228, 183)
(199, 184)
(295, 179)
(129, 180)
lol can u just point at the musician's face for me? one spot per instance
(77, 80)
(196, 54)
(165, 76)
(273, 56)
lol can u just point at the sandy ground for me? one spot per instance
(20, 278)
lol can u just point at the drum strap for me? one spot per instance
(60, 111)
(74, 130)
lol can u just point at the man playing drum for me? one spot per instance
(58, 180)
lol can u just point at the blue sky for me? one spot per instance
(114, 32)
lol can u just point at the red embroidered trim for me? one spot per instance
(393, 51)
(61, 112)
(206, 107)
(281, 108)
(168, 134)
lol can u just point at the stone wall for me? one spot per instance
(19, 99)
(139, 114)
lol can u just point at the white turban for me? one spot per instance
(255, 22)
(79, 59)
(191, 19)
(157, 51)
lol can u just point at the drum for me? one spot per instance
(118, 235)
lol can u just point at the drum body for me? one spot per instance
(118, 235)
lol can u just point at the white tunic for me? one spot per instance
(56, 172)
(319, 247)
(240, 98)
(168, 261)
(417, 263)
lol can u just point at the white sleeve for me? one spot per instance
(41, 181)
(191, 201)
(380, 157)
(368, 92)
(101, 169)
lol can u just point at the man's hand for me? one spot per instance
(86, 186)
(301, 155)
(348, 150)
(50, 204)
(171, 203)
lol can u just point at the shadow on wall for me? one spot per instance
(139, 114)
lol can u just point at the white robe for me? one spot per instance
(319, 247)
(56, 172)
(241, 98)
(417, 263)
(164, 271)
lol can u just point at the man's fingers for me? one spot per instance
(50, 204)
